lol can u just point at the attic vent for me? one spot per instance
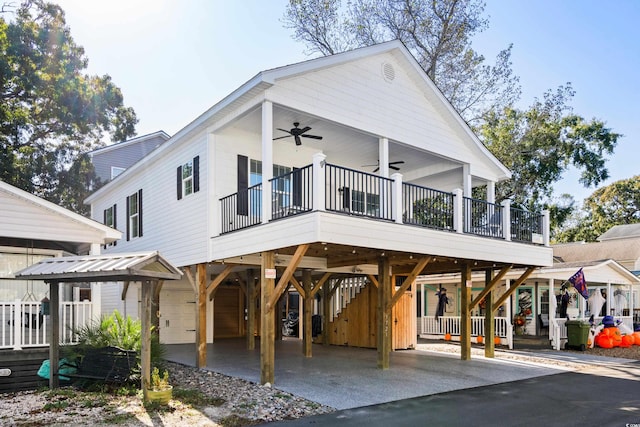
(388, 72)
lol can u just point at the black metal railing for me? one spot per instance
(292, 193)
(526, 226)
(358, 193)
(427, 207)
(242, 209)
(482, 218)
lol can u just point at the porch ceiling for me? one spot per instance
(350, 147)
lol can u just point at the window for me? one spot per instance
(188, 178)
(110, 220)
(115, 171)
(365, 203)
(134, 215)
(283, 186)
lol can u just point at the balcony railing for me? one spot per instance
(292, 193)
(326, 187)
(358, 193)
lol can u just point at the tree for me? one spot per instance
(540, 143)
(438, 34)
(615, 204)
(50, 111)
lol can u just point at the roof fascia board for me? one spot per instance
(109, 233)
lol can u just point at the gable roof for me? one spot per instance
(266, 79)
(623, 231)
(618, 249)
(25, 217)
(102, 268)
(159, 134)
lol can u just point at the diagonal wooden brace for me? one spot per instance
(422, 263)
(219, 278)
(513, 288)
(488, 288)
(287, 275)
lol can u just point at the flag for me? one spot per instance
(578, 282)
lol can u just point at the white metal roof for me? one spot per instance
(113, 267)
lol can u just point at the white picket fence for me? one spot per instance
(432, 328)
(24, 326)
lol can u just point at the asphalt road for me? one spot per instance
(607, 396)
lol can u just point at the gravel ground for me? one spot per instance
(204, 398)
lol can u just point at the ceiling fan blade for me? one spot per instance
(395, 168)
(284, 130)
(280, 137)
(298, 141)
(399, 162)
(305, 129)
(311, 136)
(376, 170)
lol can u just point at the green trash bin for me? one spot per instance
(577, 334)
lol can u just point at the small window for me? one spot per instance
(115, 171)
(134, 215)
(110, 220)
(187, 178)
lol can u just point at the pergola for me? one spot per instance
(149, 268)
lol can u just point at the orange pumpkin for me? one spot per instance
(637, 338)
(497, 340)
(604, 341)
(479, 339)
(626, 341)
(617, 337)
(447, 337)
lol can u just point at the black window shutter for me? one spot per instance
(104, 221)
(297, 187)
(179, 182)
(115, 222)
(346, 198)
(196, 174)
(128, 218)
(140, 213)
(243, 184)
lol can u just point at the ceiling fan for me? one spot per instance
(296, 132)
(391, 165)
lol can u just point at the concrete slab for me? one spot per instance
(343, 377)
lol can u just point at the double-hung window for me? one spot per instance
(134, 215)
(188, 178)
(110, 216)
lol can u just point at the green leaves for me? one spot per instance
(50, 110)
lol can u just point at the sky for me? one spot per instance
(175, 59)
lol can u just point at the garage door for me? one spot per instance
(228, 313)
(177, 317)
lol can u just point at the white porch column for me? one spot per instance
(318, 185)
(507, 311)
(95, 249)
(383, 156)
(17, 325)
(546, 225)
(553, 306)
(506, 219)
(466, 179)
(214, 211)
(396, 198)
(458, 206)
(267, 159)
(491, 191)
(96, 297)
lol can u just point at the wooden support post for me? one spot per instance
(201, 316)
(326, 311)
(54, 333)
(489, 323)
(465, 313)
(267, 322)
(251, 310)
(307, 311)
(145, 351)
(383, 336)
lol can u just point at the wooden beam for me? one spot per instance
(298, 286)
(422, 263)
(156, 293)
(267, 322)
(513, 288)
(189, 275)
(251, 310)
(465, 314)
(320, 283)
(286, 276)
(54, 333)
(489, 323)
(489, 287)
(373, 280)
(383, 336)
(307, 308)
(335, 287)
(145, 352)
(201, 316)
(125, 289)
(219, 278)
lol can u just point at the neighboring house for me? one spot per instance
(333, 176)
(112, 160)
(32, 229)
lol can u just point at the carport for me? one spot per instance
(148, 268)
